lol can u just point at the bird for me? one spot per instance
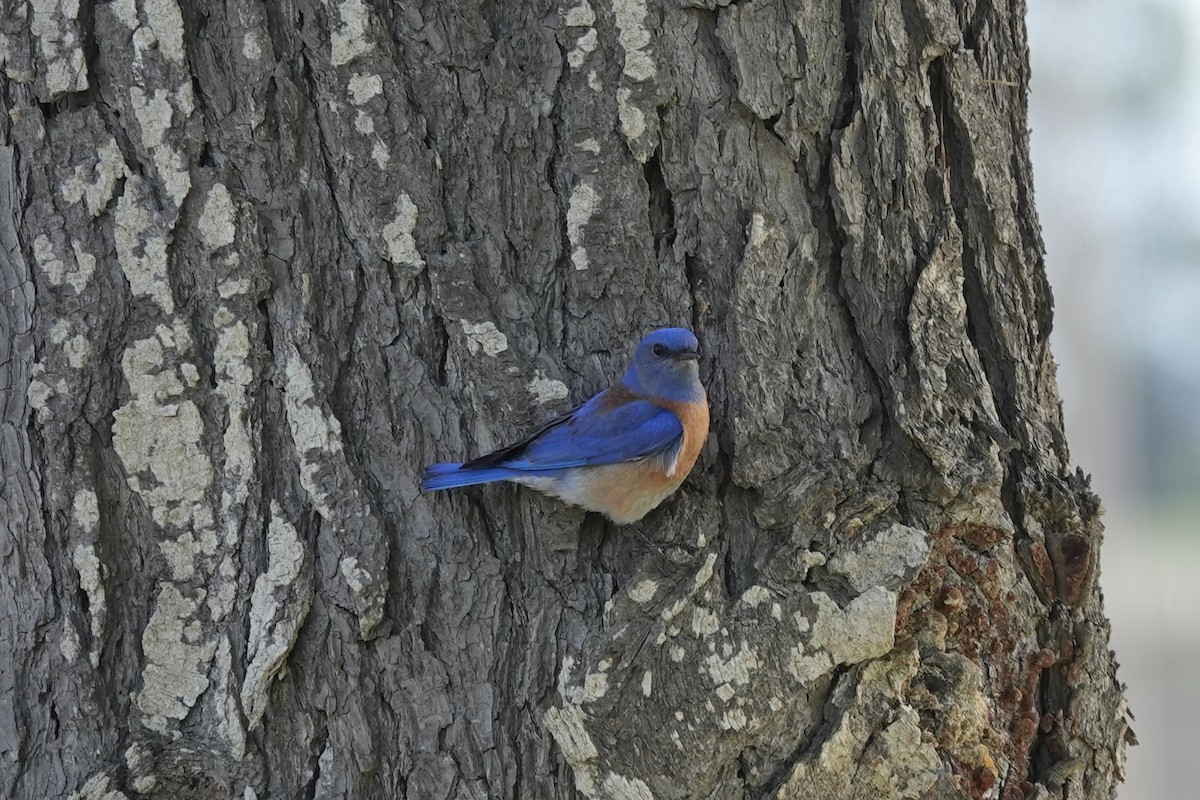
(622, 452)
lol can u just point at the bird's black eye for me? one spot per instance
(659, 350)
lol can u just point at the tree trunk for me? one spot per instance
(262, 261)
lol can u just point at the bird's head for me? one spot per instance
(665, 366)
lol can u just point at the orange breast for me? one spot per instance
(694, 417)
(628, 491)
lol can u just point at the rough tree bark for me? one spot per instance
(261, 261)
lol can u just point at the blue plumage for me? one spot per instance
(636, 424)
(452, 476)
(588, 436)
(594, 436)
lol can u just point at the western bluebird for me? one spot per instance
(621, 453)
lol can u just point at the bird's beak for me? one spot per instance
(689, 355)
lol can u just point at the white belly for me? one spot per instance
(623, 492)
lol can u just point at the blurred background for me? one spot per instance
(1115, 118)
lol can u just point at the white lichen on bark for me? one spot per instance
(876, 747)
(348, 34)
(736, 646)
(142, 245)
(363, 87)
(216, 223)
(869, 560)
(398, 234)
(99, 787)
(176, 671)
(91, 581)
(581, 15)
(55, 24)
(580, 209)
(314, 432)
(333, 490)
(229, 715)
(635, 39)
(278, 606)
(155, 115)
(484, 337)
(95, 182)
(546, 390)
(157, 434)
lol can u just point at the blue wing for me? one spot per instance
(596, 434)
(610, 428)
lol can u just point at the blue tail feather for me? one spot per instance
(451, 476)
(442, 469)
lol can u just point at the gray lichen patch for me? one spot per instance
(546, 390)
(63, 260)
(176, 671)
(635, 39)
(583, 16)
(349, 38)
(398, 235)
(579, 15)
(280, 602)
(38, 395)
(91, 573)
(794, 640)
(216, 223)
(94, 182)
(157, 432)
(314, 432)
(99, 787)
(158, 26)
(582, 205)
(76, 348)
(733, 670)
(229, 715)
(86, 509)
(567, 727)
(893, 554)
(335, 492)
(864, 629)
(619, 787)
(155, 114)
(643, 591)
(378, 145)
(158, 435)
(56, 26)
(363, 87)
(182, 553)
(875, 747)
(141, 763)
(231, 361)
(369, 591)
(639, 121)
(144, 47)
(141, 241)
(484, 337)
